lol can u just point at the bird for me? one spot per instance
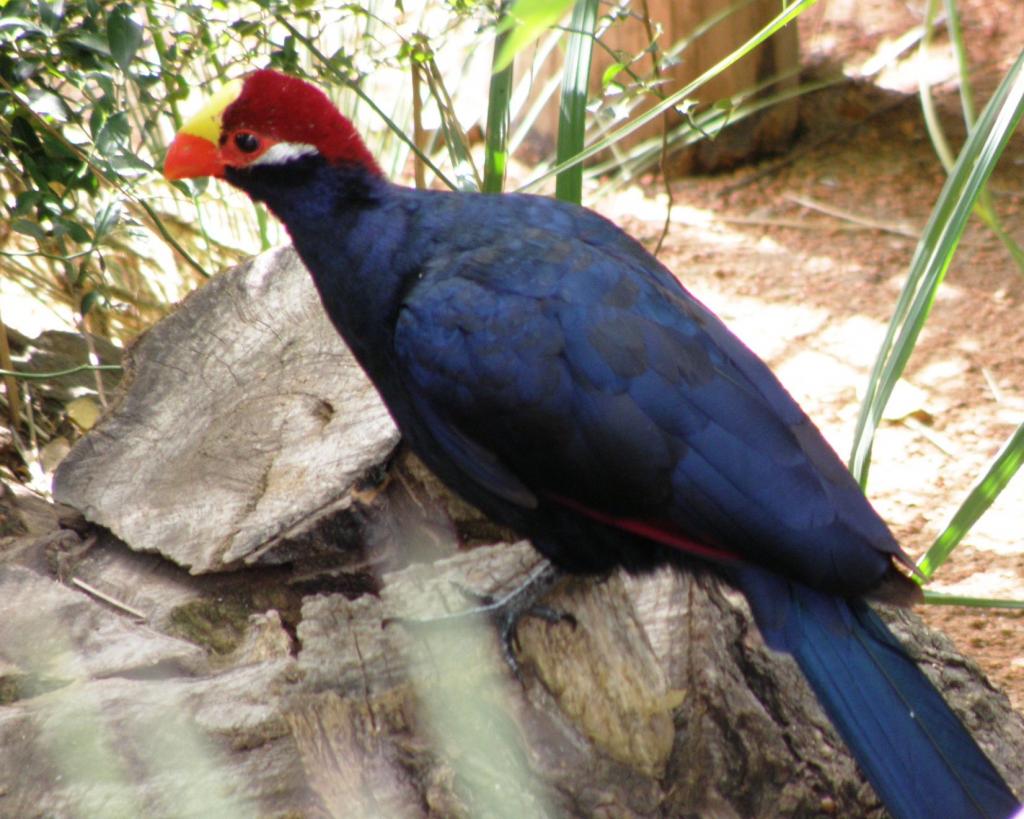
(548, 369)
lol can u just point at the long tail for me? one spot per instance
(913, 749)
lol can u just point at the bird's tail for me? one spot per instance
(919, 757)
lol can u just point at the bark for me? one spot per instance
(315, 678)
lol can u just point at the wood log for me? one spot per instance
(661, 700)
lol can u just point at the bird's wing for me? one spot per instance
(584, 372)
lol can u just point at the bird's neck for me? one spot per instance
(348, 226)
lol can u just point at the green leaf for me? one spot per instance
(91, 41)
(113, 136)
(89, 300)
(48, 104)
(124, 36)
(24, 137)
(58, 150)
(496, 138)
(26, 201)
(129, 165)
(20, 23)
(106, 82)
(77, 231)
(97, 119)
(246, 28)
(29, 228)
(51, 14)
(610, 73)
(107, 218)
(572, 111)
(527, 20)
(1003, 467)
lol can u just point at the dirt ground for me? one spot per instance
(804, 256)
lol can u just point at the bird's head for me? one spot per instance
(266, 119)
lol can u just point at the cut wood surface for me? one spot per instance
(245, 420)
(327, 683)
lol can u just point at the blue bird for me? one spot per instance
(553, 373)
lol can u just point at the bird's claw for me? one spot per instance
(507, 610)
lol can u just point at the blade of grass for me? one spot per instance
(83, 368)
(984, 207)
(941, 599)
(419, 134)
(643, 155)
(934, 253)
(1003, 467)
(263, 226)
(467, 177)
(527, 100)
(499, 97)
(572, 111)
(931, 118)
(787, 15)
(956, 38)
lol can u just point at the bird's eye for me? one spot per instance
(247, 143)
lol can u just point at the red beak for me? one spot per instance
(190, 156)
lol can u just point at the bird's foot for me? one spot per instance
(506, 610)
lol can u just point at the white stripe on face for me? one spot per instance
(283, 152)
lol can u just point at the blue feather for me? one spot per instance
(912, 747)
